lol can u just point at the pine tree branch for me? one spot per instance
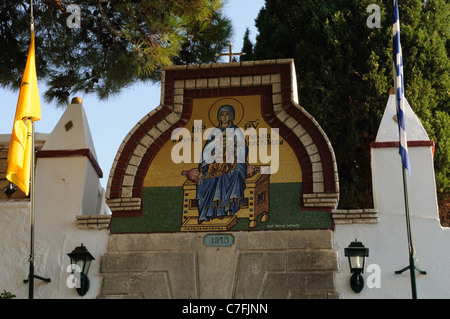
(107, 22)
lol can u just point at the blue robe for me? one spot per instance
(222, 194)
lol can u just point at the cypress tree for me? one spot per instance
(344, 69)
(247, 47)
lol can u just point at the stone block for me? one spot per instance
(235, 81)
(178, 84)
(190, 84)
(154, 274)
(311, 259)
(152, 285)
(128, 180)
(172, 118)
(224, 82)
(282, 115)
(163, 126)
(252, 268)
(291, 122)
(319, 281)
(213, 82)
(202, 83)
(277, 98)
(280, 284)
(115, 284)
(178, 108)
(247, 80)
(302, 239)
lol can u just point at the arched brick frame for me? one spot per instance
(274, 80)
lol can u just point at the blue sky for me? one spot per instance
(110, 121)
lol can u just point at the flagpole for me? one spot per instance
(412, 267)
(31, 274)
(32, 217)
(32, 197)
(403, 144)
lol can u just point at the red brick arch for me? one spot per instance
(274, 81)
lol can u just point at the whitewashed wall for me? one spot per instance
(65, 188)
(387, 240)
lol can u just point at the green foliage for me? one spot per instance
(441, 125)
(7, 295)
(344, 71)
(247, 47)
(118, 43)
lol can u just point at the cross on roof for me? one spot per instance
(230, 54)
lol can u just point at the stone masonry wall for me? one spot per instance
(270, 264)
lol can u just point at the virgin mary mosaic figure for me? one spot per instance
(222, 169)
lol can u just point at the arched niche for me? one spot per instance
(274, 82)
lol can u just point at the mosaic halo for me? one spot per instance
(238, 109)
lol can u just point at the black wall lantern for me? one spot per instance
(80, 261)
(356, 253)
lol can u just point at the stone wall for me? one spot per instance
(269, 264)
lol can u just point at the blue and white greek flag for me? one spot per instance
(399, 88)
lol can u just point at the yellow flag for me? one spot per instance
(28, 109)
